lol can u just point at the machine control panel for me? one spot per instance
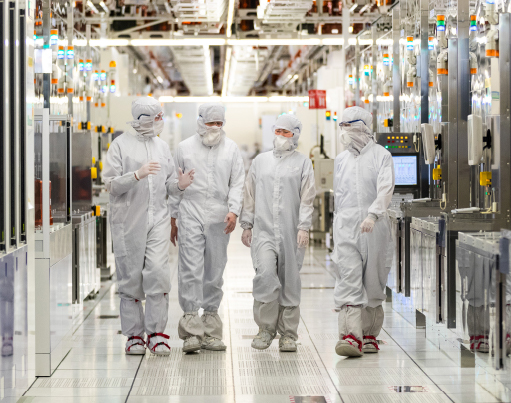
(397, 142)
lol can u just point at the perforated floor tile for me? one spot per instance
(244, 375)
(379, 376)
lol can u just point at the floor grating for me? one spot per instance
(83, 382)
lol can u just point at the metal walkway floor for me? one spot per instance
(409, 367)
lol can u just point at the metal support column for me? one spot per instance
(70, 62)
(357, 74)
(374, 83)
(46, 41)
(463, 103)
(424, 61)
(503, 196)
(89, 76)
(396, 72)
(450, 144)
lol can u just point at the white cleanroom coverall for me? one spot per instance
(363, 188)
(201, 210)
(278, 202)
(140, 224)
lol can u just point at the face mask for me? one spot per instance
(147, 127)
(345, 138)
(281, 143)
(212, 136)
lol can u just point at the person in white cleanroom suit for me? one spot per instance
(277, 208)
(206, 214)
(363, 187)
(139, 174)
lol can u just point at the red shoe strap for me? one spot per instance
(374, 342)
(160, 344)
(136, 338)
(157, 334)
(349, 336)
(136, 344)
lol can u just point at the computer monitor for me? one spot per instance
(406, 170)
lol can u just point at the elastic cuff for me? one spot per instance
(211, 312)
(303, 229)
(235, 212)
(373, 216)
(191, 313)
(246, 225)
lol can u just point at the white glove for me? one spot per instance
(149, 168)
(246, 237)
(367, 225)
(186, 179)
(303, 238)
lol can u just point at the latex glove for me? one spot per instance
(149, 168)
(230, 219)
(186, 179)
(246, 237)
(303, 238)
(173, 231)
(367, 225)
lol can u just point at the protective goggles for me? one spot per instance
(348, 124)
(157, 118)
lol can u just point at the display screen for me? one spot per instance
(405, 170)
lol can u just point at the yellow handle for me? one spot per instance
(94, 173)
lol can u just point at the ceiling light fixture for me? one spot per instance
(92, 6)
(353, 7)
(230, 18)
(227, 65)
(229, 99)
(104, 7)
(364, 8)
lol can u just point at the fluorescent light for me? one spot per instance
(244, 99)
(364, 9)
(229, 99)
(197, 99)
(104, 7)
(109, 42)
(271, 42)
(335, 31)
(353, 7)
(227, 65)
(160, 80)
(230, 18)
(207, 70)
(92, 6)
(288, 99)
(365, 41)
(332, 41)
(179, 42)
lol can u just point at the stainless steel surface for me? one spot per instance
(423, 71)
(81, 168)
(396, 73)
(504, 178)
(463, 105)
(450, 142)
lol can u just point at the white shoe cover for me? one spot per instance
(213, 344)
(191, 344)
(348, 348)
(263, 340)
(157, 344)
(135, 346)
(370, 345)
(287, 344)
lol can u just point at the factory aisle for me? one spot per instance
(409, 368)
